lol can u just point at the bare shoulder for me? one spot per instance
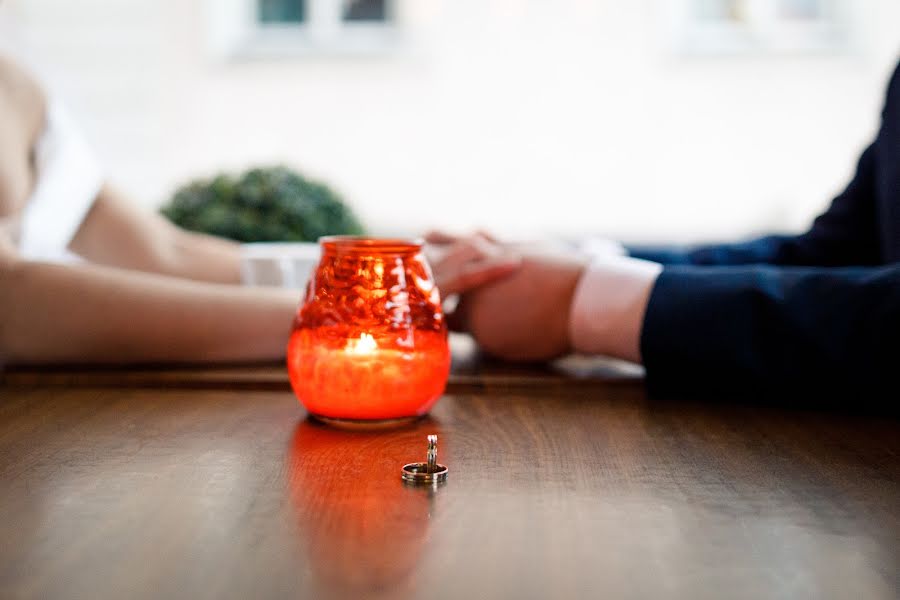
(21, 94)
(22, 109)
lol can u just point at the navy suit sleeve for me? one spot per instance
(844, 235)
(763, 328)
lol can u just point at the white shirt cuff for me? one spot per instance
(609, 305)
(279, 264)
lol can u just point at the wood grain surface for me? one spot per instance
(558, 491)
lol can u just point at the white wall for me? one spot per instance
(525, 116)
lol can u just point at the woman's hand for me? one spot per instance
(461, 264)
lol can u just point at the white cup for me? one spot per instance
(279, 264)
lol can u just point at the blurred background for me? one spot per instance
(648, 120)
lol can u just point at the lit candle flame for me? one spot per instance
(366, 344)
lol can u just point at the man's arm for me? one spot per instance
(846, 234)
(696, 328)
(773, 329)
(86, 313)
(117, 234)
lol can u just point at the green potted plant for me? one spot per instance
(272, 204)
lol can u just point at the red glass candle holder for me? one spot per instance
(369, 343)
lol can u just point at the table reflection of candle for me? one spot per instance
(363, 529)
(358, 378)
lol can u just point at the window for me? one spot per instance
(364, 10)
(323, 15)
(280, 11)
(278, 28)
(287, 12)
(759, 26)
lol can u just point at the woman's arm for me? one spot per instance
(92, 313)
(87, 313)
(114, 233)
(117, 234)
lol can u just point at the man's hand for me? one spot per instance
(553, 303)
(525, 316)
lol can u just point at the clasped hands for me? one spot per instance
(528, 304)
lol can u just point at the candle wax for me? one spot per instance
(356, 379)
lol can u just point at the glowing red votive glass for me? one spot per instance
(369, 341)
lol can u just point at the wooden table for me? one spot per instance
(211, 484)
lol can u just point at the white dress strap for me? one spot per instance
(69, 178)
